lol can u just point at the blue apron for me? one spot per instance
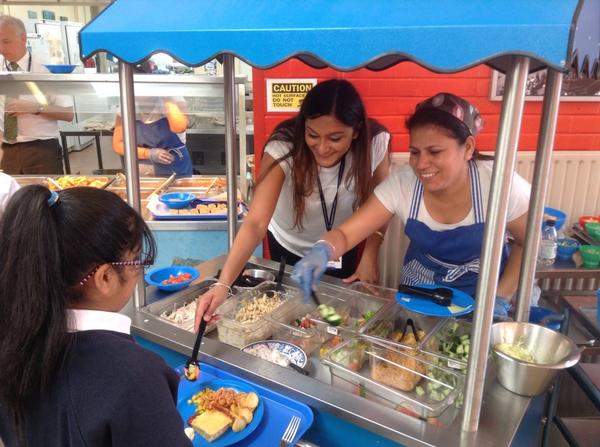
(448, 257)
(158, 135)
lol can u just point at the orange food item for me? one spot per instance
(177, 279)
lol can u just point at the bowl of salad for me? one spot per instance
(173, 278)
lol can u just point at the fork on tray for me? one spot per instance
(290, 432)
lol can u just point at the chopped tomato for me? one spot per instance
(175, 279)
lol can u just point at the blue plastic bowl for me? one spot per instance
(62, 68)
(566, 248)
(156, 276)
(557, 214)
(177, 200)
(537, 314)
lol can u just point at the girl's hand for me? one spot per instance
(208, 303)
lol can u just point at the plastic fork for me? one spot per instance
(290, 432)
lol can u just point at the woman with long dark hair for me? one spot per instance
(441, 196)
(317, 169)
(71, 375)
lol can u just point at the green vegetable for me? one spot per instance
(420, 391)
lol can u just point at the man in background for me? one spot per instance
(29, 127)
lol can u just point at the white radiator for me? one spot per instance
(574, 188)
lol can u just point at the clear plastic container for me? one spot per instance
(243, 321)
(384, 293)
(388, 325)
(179, 309)
(408, 381)
(285, 326)
(355, 309)
(450, 342)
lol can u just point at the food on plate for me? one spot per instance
(73, 181)
(217, 411)
(211, 424)
(516, 351)
(251, 310)
(176, 279)
(329, 314)
(397, 370)
(304, 322)
(271, 355)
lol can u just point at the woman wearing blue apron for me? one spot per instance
(441, 196)
(161, 150)
(160, 130)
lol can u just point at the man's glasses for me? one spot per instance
(138, 264)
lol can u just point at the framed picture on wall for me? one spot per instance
(574, 88)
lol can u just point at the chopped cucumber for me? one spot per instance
(420, 391)
(334, 320)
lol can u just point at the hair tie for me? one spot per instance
(53, 198)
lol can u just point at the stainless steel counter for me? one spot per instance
(502, 411)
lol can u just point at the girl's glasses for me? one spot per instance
(138, 264)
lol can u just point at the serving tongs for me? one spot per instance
(439, 295)
(278, 287)
(409, 323)
(192, 367)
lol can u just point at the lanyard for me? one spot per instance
(28, 63)
(331, 217)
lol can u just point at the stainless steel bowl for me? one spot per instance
(252, 277)
(552, 351)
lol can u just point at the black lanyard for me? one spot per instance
(331, 217)
(28, 63)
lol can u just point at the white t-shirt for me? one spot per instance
(8, 186)
(282, 223)
(396, 192)
(35, 127)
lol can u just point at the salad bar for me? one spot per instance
(368, 359)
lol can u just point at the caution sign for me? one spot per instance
(286, 95)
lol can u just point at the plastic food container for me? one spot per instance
(179, 309)
(355, 309)
(408, 381)
(450, 342)
(384, 293)
(388, 325)
(243, 320)
(285, 327)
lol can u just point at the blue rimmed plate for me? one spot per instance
(462, 303)
(230, 437)
(294, 353)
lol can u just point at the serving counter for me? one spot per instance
(503, 412)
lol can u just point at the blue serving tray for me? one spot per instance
(427, 307)
(193, 204)
(278, 409)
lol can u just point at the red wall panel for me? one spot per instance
(390, 96)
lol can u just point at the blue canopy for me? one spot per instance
(442, 35)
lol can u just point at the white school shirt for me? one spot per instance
(33, 127)
(282, 224)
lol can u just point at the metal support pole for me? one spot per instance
(131, 159)
(539, 189)
(493, 238)
(230, 145)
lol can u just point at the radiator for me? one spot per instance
(574, 188)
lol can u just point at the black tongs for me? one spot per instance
(411, 324)
(439, 295)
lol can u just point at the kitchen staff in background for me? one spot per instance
(160, 130)
(442, 198)
(29, 123)
(317, 169)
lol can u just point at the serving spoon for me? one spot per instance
(439, 295)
